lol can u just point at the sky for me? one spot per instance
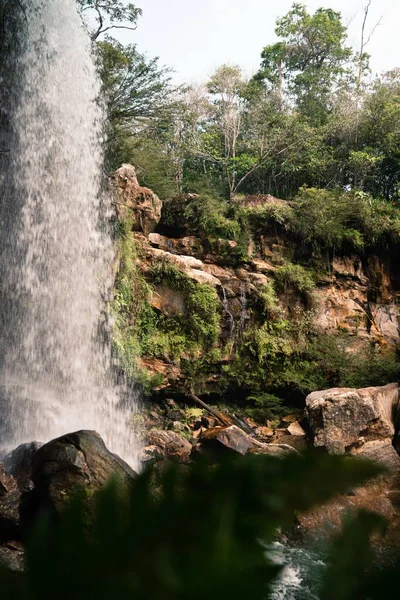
(194, 37)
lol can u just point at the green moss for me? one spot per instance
(131, 311)
(200, 324)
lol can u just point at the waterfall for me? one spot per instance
(229, 314)
(243, 303)
(55, 250)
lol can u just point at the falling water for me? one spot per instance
(55, 364)
(243, 303)
(229, 314)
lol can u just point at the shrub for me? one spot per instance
(266, 216)
(345, 222)
(291, 277)
(209, 215)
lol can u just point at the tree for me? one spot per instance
(107, 15)
(310, 61)
(226, 88)
(137, 91)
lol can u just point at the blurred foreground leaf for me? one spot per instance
(187, 533)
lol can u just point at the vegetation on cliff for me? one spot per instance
(312, 128)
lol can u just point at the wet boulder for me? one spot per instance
(12, 556)
(71, 463)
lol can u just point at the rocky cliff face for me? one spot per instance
(223, 315)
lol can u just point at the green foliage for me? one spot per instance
(266, 215)
(311, 58)
(209, 215)
(137, 91)
(202, 533)
(270, 307)
(327, 360)
(291, 277)
(104, 15)
(265, 407)
(131, 311)
(346, 222)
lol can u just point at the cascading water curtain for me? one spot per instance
(56, 374)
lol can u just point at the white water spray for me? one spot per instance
(55, 264)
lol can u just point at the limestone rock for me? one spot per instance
(264, 432)
(341, 417)
(204, 278)
(189, 245)
(380, 451)
(170, 444)
(143, 204)
(278, 450)
(296, 429)
(232, 439)
(168, 301)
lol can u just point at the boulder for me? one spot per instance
(140, 202)
(69, 464)
(168, 444)
(343, 418)
(231, 439)
(264, 433)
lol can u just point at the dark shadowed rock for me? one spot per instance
(12, 556)
(9, 516)
(70, 463)
(18, 463)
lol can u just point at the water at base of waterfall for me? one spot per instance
(56, 372)
(301, 575)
